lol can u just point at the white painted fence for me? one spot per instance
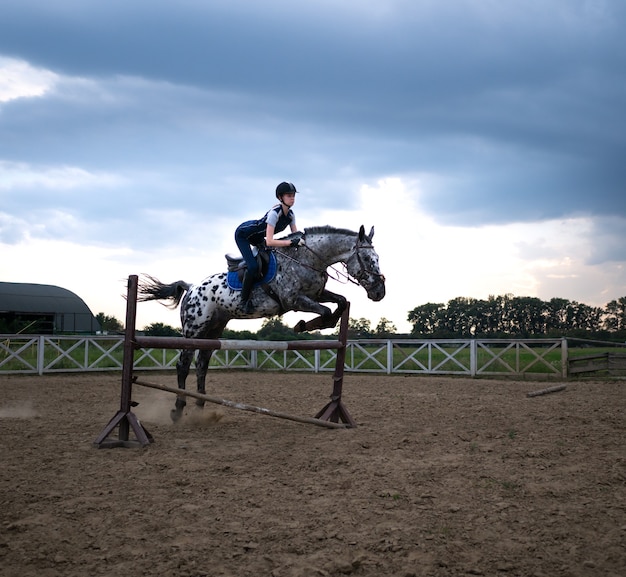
(43, 354)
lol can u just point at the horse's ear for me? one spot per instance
(371, 235)
(362, 234)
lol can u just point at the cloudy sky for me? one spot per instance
(485, 141)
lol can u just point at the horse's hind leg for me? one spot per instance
(202, 367)
(182, 371)
(204, 355)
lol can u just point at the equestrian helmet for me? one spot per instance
(285, 188)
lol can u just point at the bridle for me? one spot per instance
(362, 274)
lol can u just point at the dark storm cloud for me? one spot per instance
(514, 111)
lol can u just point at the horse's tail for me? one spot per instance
(151, 289)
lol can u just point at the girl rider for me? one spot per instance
(255, 232)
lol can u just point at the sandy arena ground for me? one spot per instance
(441, 477)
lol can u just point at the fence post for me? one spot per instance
(389, 357)
(473, 357)
(564, 361)
(41, 357)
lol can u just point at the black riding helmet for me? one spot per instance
(284, 188)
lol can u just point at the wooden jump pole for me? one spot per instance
(232, 345)
(546, 391)
(124, 420)
(241, 406)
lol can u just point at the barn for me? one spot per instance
(43, 309)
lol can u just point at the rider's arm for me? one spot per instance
(271, 241)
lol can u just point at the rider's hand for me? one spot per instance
(298, 241)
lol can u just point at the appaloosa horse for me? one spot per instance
(297, 282)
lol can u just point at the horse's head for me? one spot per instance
(362, 265)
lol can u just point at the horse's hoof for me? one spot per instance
(200, 404)
(300, 327)
(176, 414)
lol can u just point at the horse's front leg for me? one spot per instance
(340, 300)
(327, 318)
(182, 371)
(202, 367)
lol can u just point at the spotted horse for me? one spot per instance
(298, 284)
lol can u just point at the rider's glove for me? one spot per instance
(298, 241)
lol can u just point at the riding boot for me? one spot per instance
(246, 289)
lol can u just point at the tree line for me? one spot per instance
(508, 316)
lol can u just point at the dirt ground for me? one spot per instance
(441, 477)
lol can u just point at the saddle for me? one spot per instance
(237, 268)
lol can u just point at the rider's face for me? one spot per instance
(289, 198)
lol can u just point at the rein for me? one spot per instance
(324, 272)
(341, 276)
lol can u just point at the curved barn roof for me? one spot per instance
(70, 311)
(39, 298)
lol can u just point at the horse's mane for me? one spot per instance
(327, 229)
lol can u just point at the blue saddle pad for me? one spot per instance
(233, 277)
